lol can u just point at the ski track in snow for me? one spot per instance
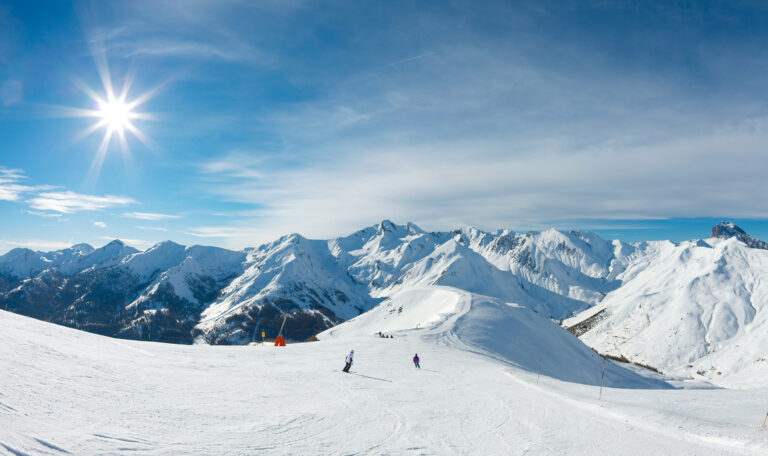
(68, 392)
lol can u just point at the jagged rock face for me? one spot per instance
(727, 230)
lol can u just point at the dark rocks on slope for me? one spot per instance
(727, 230)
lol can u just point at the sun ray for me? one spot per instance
(146, 140)
(98, 159)
(88, 91)
(123, 145)
(143, 98)
(115, 112)
(127, 86)
(90, 130)
(66, 111)
(143, 116)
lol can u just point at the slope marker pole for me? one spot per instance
(253, 336)
(537, 377)
(602, 381)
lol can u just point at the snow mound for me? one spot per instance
(509, 333)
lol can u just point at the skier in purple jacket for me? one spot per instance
(348, 360)
(416, 360)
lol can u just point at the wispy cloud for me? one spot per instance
(11, 92)
(409, 59)
(237, 236)
(45, 214)
(191, 49)
(10, 187)
(69, 202)
(437, 187)
(34, 244)
(152, 228)
(100, 224)
(152, 216)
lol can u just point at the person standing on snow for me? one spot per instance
(416, 360)
(348, 360)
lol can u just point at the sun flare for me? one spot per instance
(116, 114)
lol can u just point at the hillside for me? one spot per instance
(698, 310)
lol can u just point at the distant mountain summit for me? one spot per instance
(727, 230)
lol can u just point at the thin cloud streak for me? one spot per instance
(33, 244)
(151, 216)
(69, 202)
(11, 190)
(153, 228)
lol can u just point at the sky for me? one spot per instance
(251, 120)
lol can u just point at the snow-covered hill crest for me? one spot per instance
(506, 332)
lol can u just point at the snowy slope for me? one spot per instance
(503, 331)
(69, 392)
(700, 307)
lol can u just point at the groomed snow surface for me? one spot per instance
(479, 392)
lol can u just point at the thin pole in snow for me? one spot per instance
(537, 377)
(602, 381)
(765, 420)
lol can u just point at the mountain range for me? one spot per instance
(679, 307)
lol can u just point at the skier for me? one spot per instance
(349, 360)
(416, 360)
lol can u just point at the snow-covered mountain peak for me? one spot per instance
(387, 225)
(727, 230)
(21, 262)
(82, 248)
(116, 243)
(413, 228)
(159, 257)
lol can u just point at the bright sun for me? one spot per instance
(116, 114)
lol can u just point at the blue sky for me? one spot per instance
(638, 121)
